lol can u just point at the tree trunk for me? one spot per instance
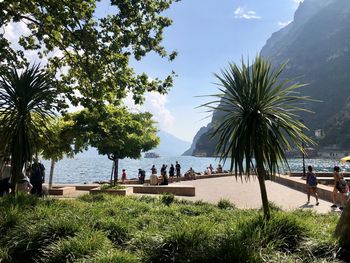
(342, 230)
(51, 172)
(111, 179)
(116, 164)
(261, 177)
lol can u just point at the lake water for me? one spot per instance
(87, 169)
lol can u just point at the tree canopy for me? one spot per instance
(89, 54)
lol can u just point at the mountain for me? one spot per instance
(316, 46)
(201, 131)
(170, 145)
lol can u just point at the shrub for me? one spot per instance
(225, 204)
(93, 198)
(117, 231)
(27, 239)
(167, 198)
(110, 186)
(111, 256)
(72, 249)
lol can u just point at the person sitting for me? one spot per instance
(142, 176)
(153, 180)
(190, 174)
(211, 168)
(207, 171)
(164, 179)
(219, 169)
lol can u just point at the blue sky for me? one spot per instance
(207, 35)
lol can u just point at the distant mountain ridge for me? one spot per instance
(317, 47)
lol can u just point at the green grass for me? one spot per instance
(102, 228)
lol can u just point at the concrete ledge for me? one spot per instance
(324, 191)
(319, 174)
(122, 192)
(65, 190)
(183, 190)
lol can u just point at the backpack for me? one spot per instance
(312, 180)
(343, 186)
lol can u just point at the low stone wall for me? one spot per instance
(183, 190)
(324, 191)
(319, 174)
(65, 190)
(122, 192)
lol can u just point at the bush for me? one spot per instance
(225, 204)
(93, 198)
(111, 256)
(110, 186)
(167, 198)
(72, 249)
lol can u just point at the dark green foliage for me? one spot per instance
(167, 198)
(131, 229)
(225, 204)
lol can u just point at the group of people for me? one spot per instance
(210, 170)
(31, 181)
(340, 186)
(170, 175)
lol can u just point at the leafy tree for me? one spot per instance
(27, 102)
(89, 53)
(260, 120)
(115, 132)
(57, 143)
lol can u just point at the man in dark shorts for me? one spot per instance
(171, 173)
(37, 177)
(178, 171)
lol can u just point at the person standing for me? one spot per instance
(37, 177)
(311, 182)
(154, 169)
(5, 177)
(123, 176)
(178, 171)
(163, 170)
(171, 173)
(211, 168)
(142, 176)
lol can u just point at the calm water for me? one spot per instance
(98, 168)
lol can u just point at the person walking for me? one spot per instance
(178, 171)
(311, 183)
(37, 177)
(340, 186)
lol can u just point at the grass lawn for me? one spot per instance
(102, 228)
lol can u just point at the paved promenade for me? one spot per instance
(246, 194)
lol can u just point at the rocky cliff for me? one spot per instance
(317, 47)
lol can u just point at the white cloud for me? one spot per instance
(283, 24)
(155, 103)
(242, 13)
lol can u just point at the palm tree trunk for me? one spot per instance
(51, 172)
(342, 230)
(116, 164)
(261, 177)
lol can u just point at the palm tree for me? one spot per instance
(26, 103)
(259, 120)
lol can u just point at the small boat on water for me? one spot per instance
(152, 155)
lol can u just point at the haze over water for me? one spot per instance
(87, 169)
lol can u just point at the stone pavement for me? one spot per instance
(246, 194)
